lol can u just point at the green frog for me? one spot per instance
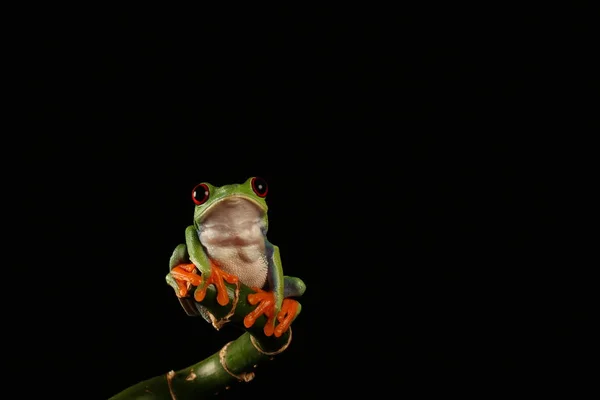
(227, 242)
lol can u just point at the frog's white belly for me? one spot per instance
(233, 238)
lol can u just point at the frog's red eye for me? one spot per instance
(200, 193)
(260, 187)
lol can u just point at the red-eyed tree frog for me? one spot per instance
(228, 242)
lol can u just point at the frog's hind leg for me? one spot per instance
(293, 287)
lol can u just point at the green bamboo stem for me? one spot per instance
(234, 362)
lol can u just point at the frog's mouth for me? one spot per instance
(244, 208)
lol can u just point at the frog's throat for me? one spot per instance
(205, 212)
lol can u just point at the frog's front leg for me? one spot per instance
(189, 259)
(210, 273)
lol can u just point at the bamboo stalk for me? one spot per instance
(233, 363)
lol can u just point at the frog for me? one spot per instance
(227, 242)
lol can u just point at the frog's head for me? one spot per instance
(208, 198)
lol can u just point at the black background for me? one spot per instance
(411, 188)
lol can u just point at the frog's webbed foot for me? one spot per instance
(266, 306)
(289, 310)
(217, 277)
(185, 276)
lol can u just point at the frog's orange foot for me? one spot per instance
(217, 277)
(288, 312)
(185, 276)
(266, 306)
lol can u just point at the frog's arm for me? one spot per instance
(275, 274)
(210, 273)
(183, 263)
(197, 254)
(274, 303)
(283, 286)
(183, 275)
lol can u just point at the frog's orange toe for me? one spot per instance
(183, 288)
(270, 326)
(261, 296)
(199, 294)
(219, 277)
(249, 320)
(229, 277)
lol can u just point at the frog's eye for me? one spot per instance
(260, 187)
(200, 193)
